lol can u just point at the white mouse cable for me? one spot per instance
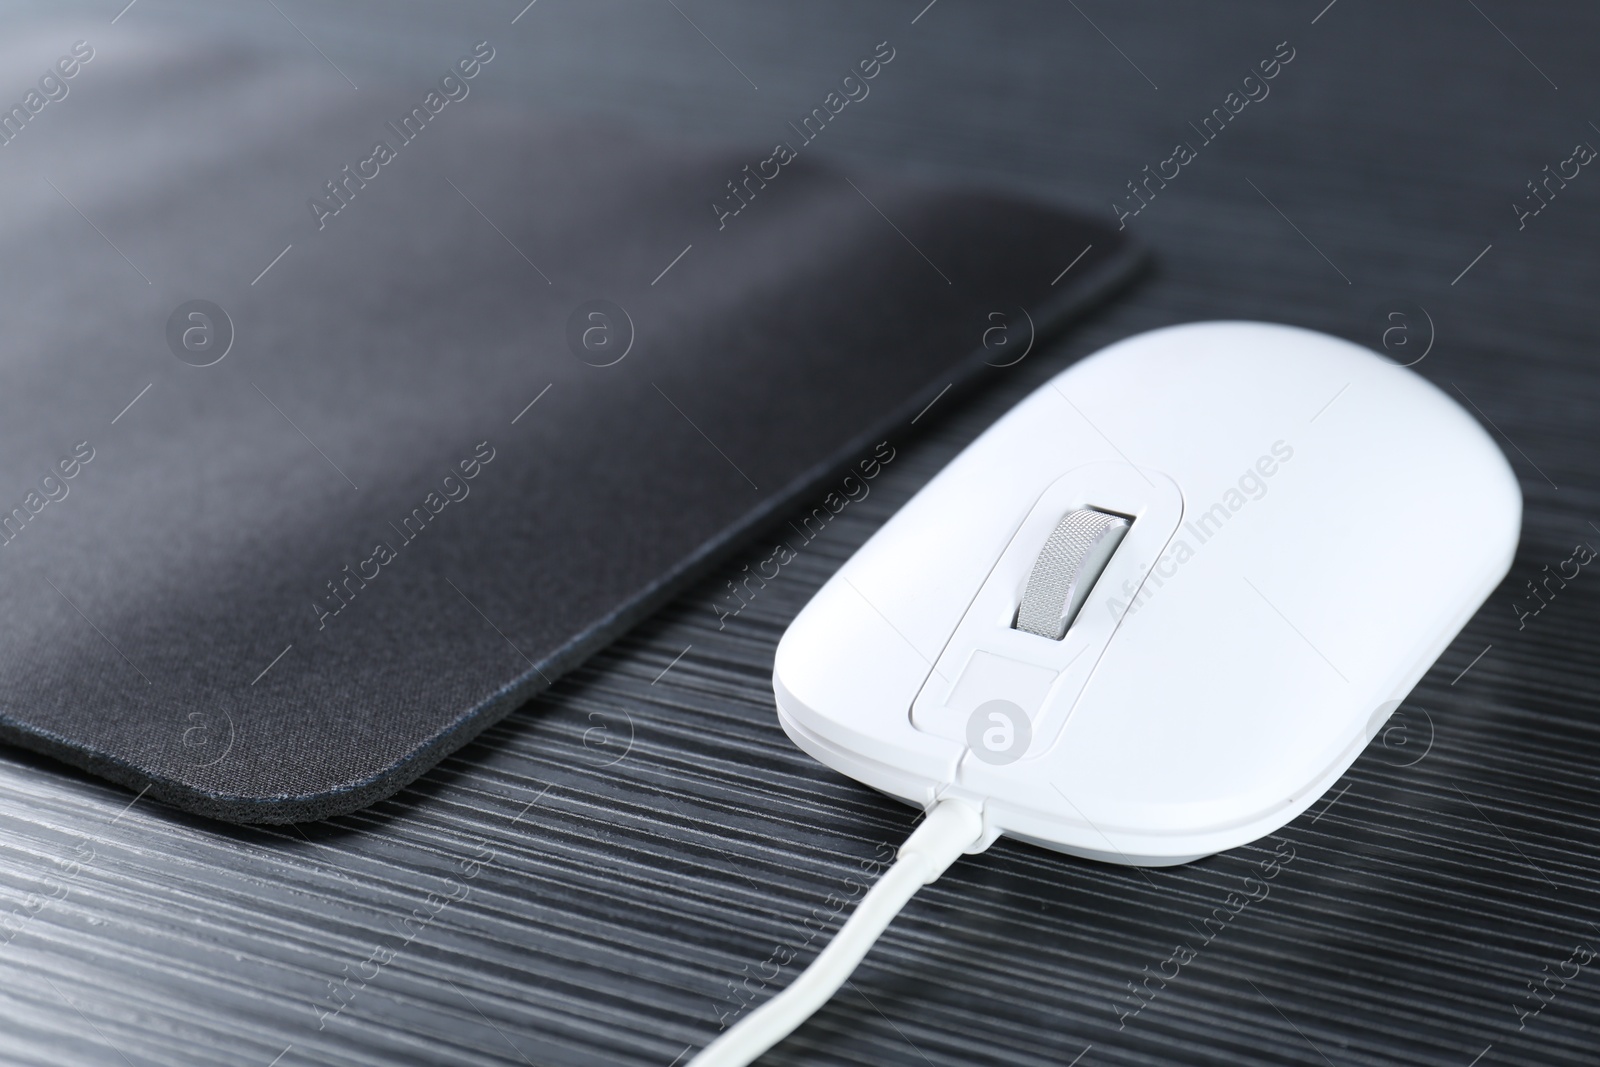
(951, 828)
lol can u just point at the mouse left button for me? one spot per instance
(1067, 567)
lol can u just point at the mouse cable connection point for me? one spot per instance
(952, 826)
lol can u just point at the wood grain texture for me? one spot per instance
(651, 841)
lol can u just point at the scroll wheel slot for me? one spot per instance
(1068, 566)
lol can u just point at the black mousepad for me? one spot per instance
(333, 426)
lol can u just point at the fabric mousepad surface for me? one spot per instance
(334, 427)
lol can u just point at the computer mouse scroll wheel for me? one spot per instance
(1070, 562)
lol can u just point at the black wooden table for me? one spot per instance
(615, 871)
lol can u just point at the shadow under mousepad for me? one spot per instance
(335, 426)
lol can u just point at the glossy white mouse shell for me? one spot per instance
(1312, 526)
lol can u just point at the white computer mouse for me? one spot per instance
(1158, 609)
